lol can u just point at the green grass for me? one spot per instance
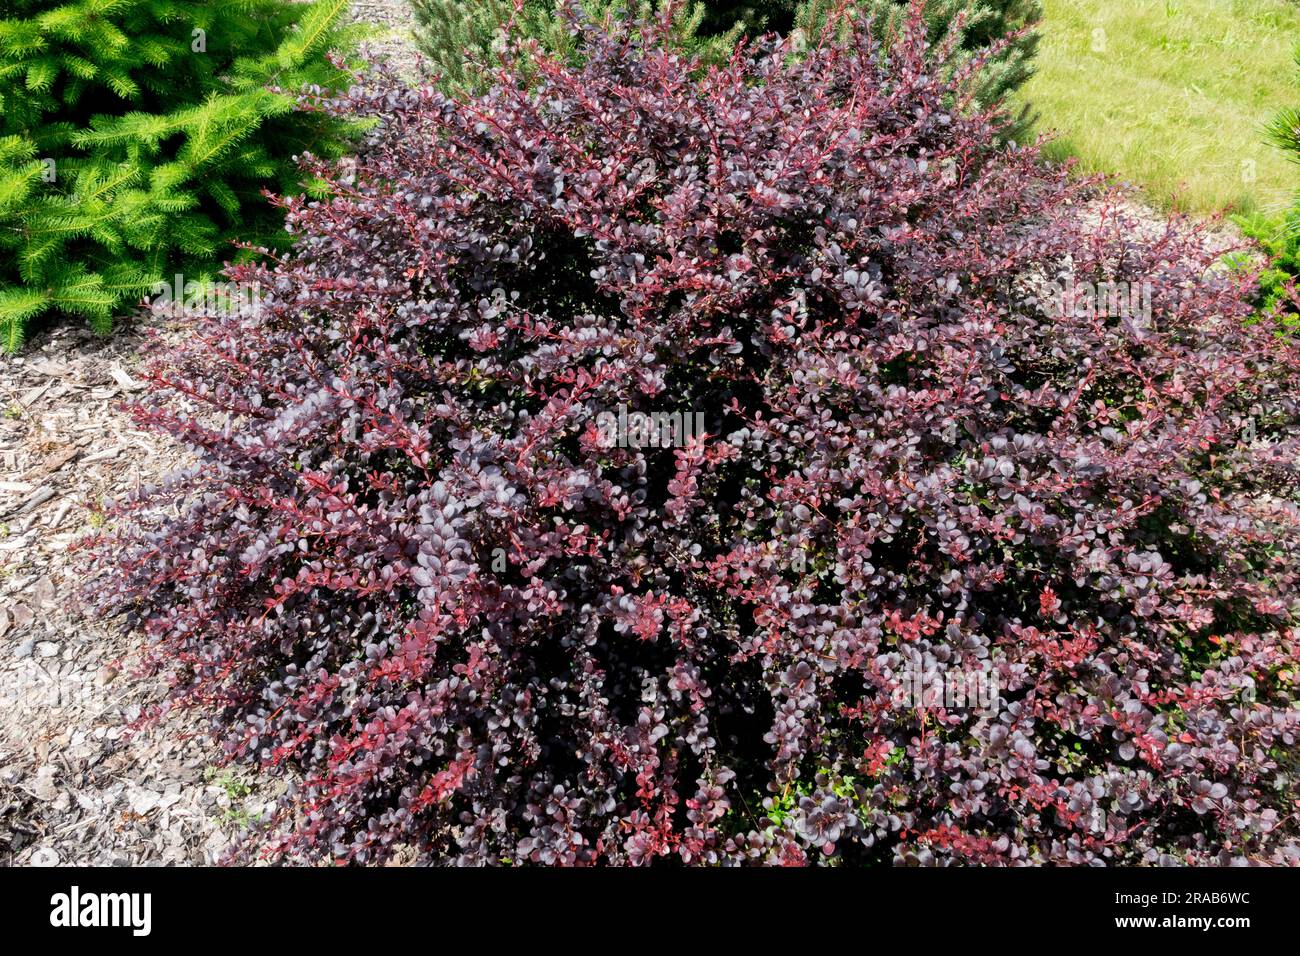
(1172, 95)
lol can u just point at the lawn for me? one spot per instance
(1172, 96)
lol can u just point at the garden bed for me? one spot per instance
(76, 784)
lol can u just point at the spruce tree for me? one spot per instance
(137, 137)
(460, 39)
(983, 24)
(1278, 235)
(457, 36)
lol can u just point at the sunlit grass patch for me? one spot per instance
(1172, 95)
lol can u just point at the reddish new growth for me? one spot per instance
(409, 567)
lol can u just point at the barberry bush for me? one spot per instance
(430, 564)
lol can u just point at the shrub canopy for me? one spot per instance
(457, 37)
(411, 564)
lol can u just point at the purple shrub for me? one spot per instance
(411, 570)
